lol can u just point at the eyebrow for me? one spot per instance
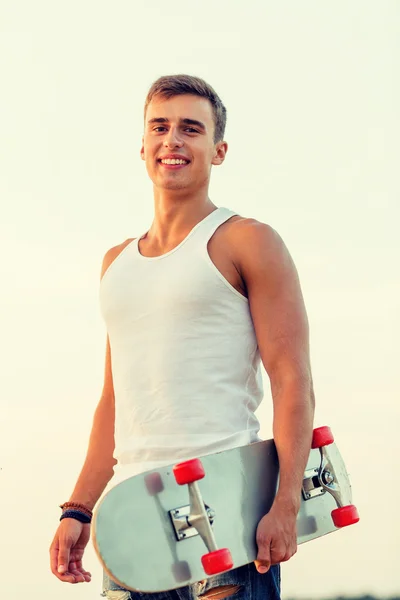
(198, 124)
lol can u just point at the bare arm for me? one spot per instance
(72, 536)
(98, 466)
(281, 327)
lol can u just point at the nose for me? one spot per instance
(172, 139)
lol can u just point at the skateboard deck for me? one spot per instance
(150, 532)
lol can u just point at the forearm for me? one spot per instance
(292, 430)
(98, 466)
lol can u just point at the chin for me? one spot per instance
(174, 185)
(167, 183)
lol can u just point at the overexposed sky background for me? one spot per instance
(312, 92)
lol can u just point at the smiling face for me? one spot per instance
(178, 142)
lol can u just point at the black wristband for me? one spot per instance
(76, 514)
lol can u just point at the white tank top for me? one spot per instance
(185, 361)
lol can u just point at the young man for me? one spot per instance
(191, 307)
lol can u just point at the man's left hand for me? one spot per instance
(276, 537)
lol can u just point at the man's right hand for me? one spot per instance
(66, 551)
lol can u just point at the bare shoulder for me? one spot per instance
(244, 228)
(254, 240)
(112, 254)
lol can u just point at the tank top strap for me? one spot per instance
(210, 224)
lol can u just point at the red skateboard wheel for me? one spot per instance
(217, 561)
(189, 471)
(345, 515)
(322, 436)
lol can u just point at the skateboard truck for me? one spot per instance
(197, 518)
(324, 479)
(185, 523)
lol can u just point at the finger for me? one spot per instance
(79, 566)
(263, 561)
(278, 553)
(290, 552)
(53, 557)
(54, 553)
(78, 577)
(262, 566)
(63, 559)
(86, 574)
(80, 574)
(76, 566)
(66, 577)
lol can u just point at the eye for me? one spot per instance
(191, 130)
(157, 128)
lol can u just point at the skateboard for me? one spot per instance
(176, 525)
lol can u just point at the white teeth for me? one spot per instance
(173, 161)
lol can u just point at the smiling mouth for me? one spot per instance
(173, 162)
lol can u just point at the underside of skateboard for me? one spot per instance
(197, 517)
(151, 535)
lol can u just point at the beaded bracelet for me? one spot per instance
(77, 506)
(76, 514)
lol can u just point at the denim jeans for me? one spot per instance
(250, 585)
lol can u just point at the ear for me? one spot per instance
(142, 150)
(220, 152)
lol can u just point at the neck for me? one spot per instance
(176, 213)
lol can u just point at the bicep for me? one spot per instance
(276, 305)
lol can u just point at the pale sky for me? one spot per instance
(311, 91)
